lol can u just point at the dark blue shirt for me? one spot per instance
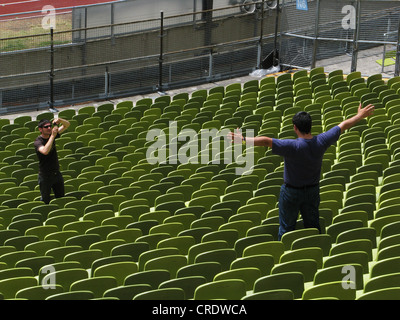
(303, 157)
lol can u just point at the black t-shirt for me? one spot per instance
(47, 163)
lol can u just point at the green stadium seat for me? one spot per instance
(230, 289)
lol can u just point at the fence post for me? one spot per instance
(206, 16)
(210, 66)
(276, 57)
(260, 41)
(106, 82)
(51, 73)
(316, 30)
(397, 65)
(84, 47)
(112, 24)
(160, 59)
(354, 55)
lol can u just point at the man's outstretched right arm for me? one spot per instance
(362, 113)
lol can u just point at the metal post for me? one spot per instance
(260, 41)
(354, 55)
(160, 59)
(112, 24)
(386, 38)
(73, 90)
(275, 56)
(106, 82)
(280, 27)
(86, 24)
(316, 30)
(384, 53)
(194, 11)
(207, 17)
(397, 65)
(51, 73)
(84, 51)
(210, 66)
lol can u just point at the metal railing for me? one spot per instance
(337, 28)
(79, 63)
(103, 62)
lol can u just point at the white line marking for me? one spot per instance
(19, 2)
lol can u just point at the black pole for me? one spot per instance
(354, 54)
(261, 33)
(316, 28)
(160, 60)
(51, 74)
(397, 65)
(275, 56)
(207, 17)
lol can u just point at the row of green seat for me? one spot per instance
(250, 200)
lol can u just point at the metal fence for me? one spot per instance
(81, 61)
(340, 28)
(128, 58)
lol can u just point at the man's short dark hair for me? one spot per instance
(43, 122)
(302, 120)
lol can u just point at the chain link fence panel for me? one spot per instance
(337, 29)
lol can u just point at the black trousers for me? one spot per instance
(53, 181)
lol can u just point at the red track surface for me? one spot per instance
(19, 6)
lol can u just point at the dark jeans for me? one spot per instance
(292, 201)
(53, 181)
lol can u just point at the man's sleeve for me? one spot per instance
(37, 144)
(283, 147)
(329, 137)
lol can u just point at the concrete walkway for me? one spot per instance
(366, 63)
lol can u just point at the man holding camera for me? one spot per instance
(50, 176)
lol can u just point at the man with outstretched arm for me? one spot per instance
(302, 169)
